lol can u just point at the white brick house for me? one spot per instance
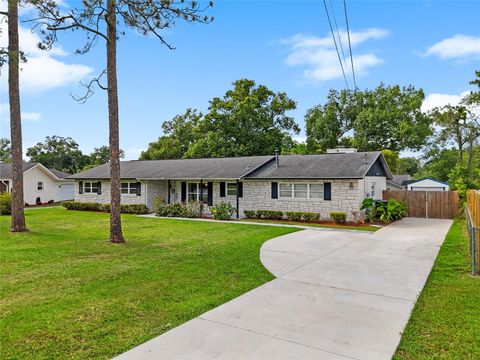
(318, 183)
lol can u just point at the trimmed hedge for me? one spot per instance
(294, 215)
(172, 210)
(91, 206)
(250, 213)
(311, 216)
(5, 203)
(270, 214)
(339, 217)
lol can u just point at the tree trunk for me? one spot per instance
(116, 235)
(18, 217)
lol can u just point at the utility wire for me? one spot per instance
(338, 34)
(350, 44)
(335, 42)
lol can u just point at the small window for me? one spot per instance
(40, 185)
(285, 190)
(192, 192)
(316, 191)
(231, 189)
(300, 191)
(90, 187)
(128, 188)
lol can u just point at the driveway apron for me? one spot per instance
(337, 295)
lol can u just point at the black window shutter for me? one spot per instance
(327, 191)
(99, 188)
(183, 194)
(274, 190)
(240, 189)
(222, 189)
(210, 193)
(139, 188)
(80, 187)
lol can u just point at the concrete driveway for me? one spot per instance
(337, 295)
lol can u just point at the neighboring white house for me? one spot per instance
(40, 185)
(335, 181)
(428, 184)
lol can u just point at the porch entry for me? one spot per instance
(197, 191)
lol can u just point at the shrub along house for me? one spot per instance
(317, 183)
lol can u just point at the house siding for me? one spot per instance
(257, 196)
(346, 196)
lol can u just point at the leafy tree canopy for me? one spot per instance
(58, 153)
(5, 150)
(388, 117)
(247, 120)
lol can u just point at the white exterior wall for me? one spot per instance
(428, 185)
(372, 183)
(51, 188)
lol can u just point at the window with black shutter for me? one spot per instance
(274, 190)
(327, 191)
(139, 189)
(183, 193)
(99, 188)
(80, 187)
(222, 189)
(240, 189)
(210, 193)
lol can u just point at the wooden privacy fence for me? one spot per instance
(473, 219)
(427, 204)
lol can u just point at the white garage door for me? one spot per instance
(65, 192)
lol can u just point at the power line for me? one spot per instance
(350, 45)
(338, 33)
(335, 42)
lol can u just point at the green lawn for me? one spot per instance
(445, 323)
(330, 226)
(68, 293)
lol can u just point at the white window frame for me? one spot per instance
(132, 186)
(195, 194)
(231, 189)
(292, 191)
(321, 193)
(92, 185)
(40, 186)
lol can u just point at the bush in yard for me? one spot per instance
(5, 203)
(294, 215)
(91, 206)
(310, 216)
(384, 211)
(157, 202)
(250, 213)
(270, 214)
(222, 211)
(339, 217)
(193, 209)
(172, 210)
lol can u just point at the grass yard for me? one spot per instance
(445, 323)
(302, 223)
(68, 293)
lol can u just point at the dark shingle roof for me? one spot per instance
(6, 169)
(59, 174)
(213, 168)
(401, 180)
(321, 166)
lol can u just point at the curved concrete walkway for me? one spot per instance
(337, 295)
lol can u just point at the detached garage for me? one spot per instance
(428, 184)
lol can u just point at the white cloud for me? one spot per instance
(438, 100)
(42, 71)
(27, 116)
(320, 58)
(460, 47)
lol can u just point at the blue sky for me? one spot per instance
(285, 45)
